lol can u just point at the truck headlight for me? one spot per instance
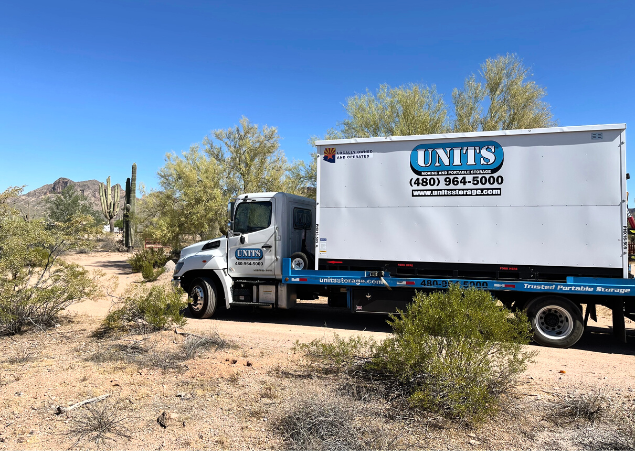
(178, 267)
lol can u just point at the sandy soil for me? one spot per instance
(227, 398)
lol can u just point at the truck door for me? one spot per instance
(252, 249)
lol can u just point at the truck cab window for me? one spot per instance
(252, 216)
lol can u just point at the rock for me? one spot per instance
(164, 419)
(474, 442)
(169, 266)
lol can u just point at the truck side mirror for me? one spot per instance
(230, 210)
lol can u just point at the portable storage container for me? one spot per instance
(525, 204)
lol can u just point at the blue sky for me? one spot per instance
(87, 88)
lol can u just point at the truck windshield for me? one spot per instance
(252, 216)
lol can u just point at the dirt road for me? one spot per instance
(597, 359)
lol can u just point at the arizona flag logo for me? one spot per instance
(329, 154)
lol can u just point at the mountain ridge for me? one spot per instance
(34, 202)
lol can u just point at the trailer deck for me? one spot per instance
(379, 279)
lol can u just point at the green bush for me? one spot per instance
(156, 257)
(455, 352)
(156, 308)
(150, 274)
(35, 284)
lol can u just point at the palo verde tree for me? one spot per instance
(35, 284)
(68, 204)
(196, 186)
(412, 109)
(501, 97)
(189, 204)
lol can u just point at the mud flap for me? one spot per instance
(619, 326)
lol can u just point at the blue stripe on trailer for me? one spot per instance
(573, 285)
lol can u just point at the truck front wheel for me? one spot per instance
(556, 321)
(203, 298)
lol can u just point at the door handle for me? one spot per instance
(266, 246)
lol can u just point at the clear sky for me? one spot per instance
(89, 87)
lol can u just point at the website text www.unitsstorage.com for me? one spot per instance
(456, 192)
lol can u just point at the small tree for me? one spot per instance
(196, 186)
(505, 99)
(502, 97)
(35, 284)
(68, 204)
(413, 109)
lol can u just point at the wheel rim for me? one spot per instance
(297, 263)
(198, 295)
(554, 322)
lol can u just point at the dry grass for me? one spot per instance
(590, 407)
(148, 353)
(21, 356)
(195, 344)
(100, 423)
(325, 421)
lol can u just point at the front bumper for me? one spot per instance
(176, 282)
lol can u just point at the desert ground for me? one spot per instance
(233, 394)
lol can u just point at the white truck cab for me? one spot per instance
(246, 266)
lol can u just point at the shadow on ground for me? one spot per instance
(601, 339)
(310, 315)
(122, 267)
(595, 338)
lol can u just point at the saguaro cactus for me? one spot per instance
(133, 207)
(109, 202)
(129, 211)
(126, 216)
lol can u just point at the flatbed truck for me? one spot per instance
(537, 217)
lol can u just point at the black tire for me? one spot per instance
(203, 298)
(299, 259)
(556, 321)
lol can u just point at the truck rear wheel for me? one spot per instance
(203, 298)
(556, 321)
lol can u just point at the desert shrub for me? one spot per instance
(35, 284)
(111, 242)
(319, 425)
(321, 421)
(156, 257)
(339, 355)
(589, 407)
(156, 308)
(99, 423)
(455, 352)
(150, 274)
(194, 344)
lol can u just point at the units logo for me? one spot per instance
(248, 254)
(479, 157)
(329, 154)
